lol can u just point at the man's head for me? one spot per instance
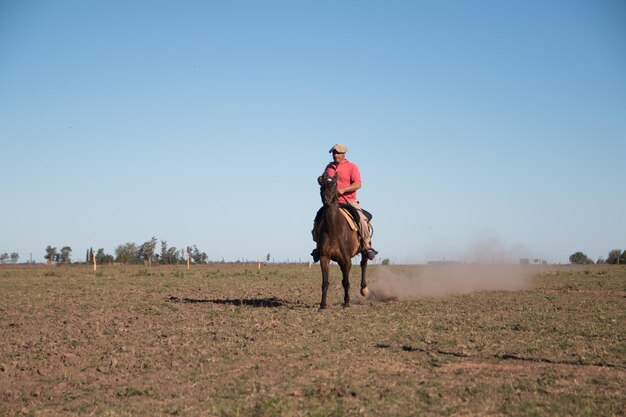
(339, 152)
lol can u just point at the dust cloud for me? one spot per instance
(401, 283)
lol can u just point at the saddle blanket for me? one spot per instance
(349, 218)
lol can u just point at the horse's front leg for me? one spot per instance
(345, 271)
(324, 262)
(364, 291)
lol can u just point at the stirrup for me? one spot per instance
(371, 254)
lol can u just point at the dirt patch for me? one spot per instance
(238, 341)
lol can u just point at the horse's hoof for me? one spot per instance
(365, 292)
(346, 305)
(322, 306)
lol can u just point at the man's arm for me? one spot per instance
(352, 187)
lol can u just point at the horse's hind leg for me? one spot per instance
(324, 262)
(345, 271)
(364, 291)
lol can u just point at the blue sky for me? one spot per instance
(481, 129)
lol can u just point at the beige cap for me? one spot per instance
(339, 148)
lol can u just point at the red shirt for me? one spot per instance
(347, 174)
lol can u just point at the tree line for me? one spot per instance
(616, 256)
(5, 257)
(53, 255)
(132, 253)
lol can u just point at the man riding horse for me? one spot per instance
(348, 182)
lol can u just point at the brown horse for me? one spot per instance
(337, 241)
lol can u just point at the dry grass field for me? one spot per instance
(224, 340)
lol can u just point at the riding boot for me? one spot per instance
(316, 255)
(371, 253)
(369, 250)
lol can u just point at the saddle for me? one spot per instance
(348, 216)
(350, 213)
(355, 213)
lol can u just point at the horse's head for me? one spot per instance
(328, 188)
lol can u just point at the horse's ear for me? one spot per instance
(320, 179)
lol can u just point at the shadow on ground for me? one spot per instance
(271, 302)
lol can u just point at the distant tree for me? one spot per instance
(169, 255)
(579, 258)
(268, 257)
(14, 257)
(66, 252)
(103, 258)
(126, 253)
(198, 257)
(524, 261)
(622, 258)
(600, 260)
(4, 258)
(172, 256)
(146, 251)
(163, 257)
(100, 255)
(51, 254)
(386, 261)
(614, 257)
